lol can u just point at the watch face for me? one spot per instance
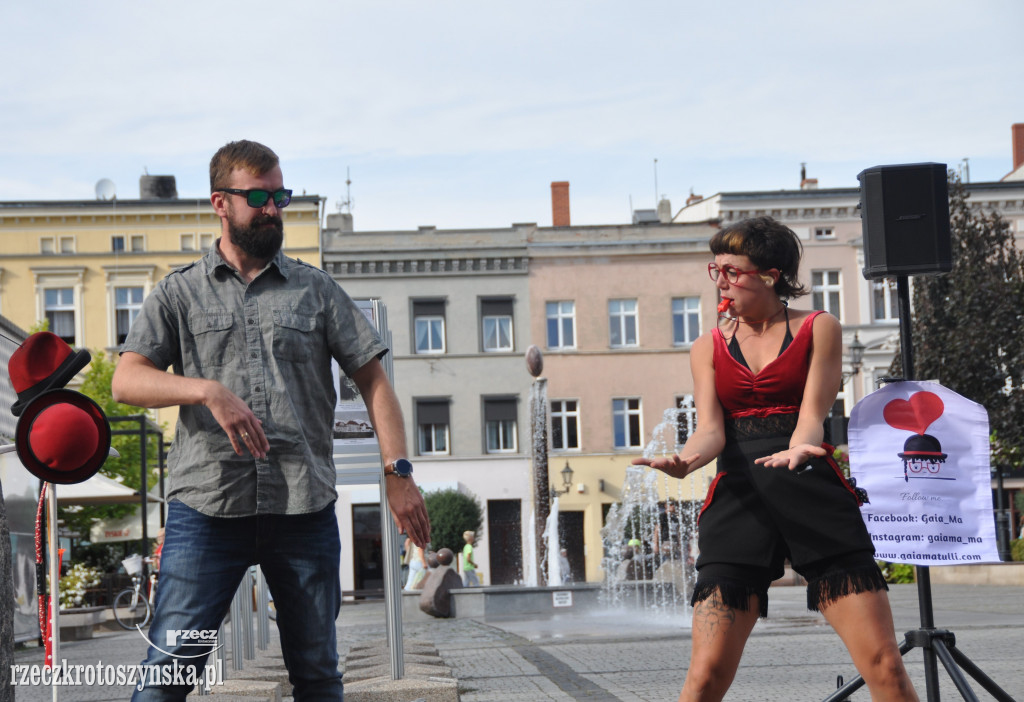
(402, 467)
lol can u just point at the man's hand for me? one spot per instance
(243, 428)
(408, 509)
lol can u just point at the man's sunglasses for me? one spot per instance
(259, 198)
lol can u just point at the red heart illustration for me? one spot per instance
(915, 414)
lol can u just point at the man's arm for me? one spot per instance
(404, 498)
(137, 381)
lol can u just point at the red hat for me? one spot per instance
(44, 362)
(63, 437)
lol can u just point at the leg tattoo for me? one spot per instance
(713, 617)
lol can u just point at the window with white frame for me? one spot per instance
(825, 292)
(500, 425)
(627, 425)
(117, 243)
(47, 245)
(59, 306)
(824, 233)
(561, 317)
(622, 323)
(432, 421)
(188, 241)
(685, 320)
(127, 305)
(138, 242)
(67, 244)
(496, 324)
(686, 419)
(884, 301)
(565, 425)
(428, 326)
(205, 241)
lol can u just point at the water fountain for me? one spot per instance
(637, 574)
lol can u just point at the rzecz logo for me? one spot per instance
(192, 637)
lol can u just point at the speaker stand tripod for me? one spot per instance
(937, 644)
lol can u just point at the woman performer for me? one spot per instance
(764, 381)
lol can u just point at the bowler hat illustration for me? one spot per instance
(63, 437)
(44, 362)
(923, 447)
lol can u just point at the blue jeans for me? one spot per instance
(203, 561)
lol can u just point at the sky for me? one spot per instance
(460, 114)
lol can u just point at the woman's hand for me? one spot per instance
(792, 458)
(675, 465)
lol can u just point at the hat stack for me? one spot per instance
(62, 436)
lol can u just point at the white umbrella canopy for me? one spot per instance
(100, 490)
(127, 528)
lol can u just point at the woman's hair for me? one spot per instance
(243, 155)
(768, 244)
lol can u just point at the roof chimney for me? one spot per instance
(157, 187)
(1018, 145)
(560, 203)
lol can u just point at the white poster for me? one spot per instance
(922, 453)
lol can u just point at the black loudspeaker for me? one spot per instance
(905, 215)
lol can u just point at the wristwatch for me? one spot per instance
(401, 467)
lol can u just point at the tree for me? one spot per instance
(451, 513)
(125, 469)
(968, 325)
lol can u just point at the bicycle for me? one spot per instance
(132, 607)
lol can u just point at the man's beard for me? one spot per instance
(262, 239)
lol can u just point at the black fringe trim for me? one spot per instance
(825, 590)
(734, 595)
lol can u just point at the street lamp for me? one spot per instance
(856, 358)
(566, 481)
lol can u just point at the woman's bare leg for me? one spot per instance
(719, 635)
(864, 623)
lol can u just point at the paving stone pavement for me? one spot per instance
(637, 656)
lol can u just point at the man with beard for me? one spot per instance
(250, 334)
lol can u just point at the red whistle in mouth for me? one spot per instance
(724, 305)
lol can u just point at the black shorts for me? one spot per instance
(754, 518)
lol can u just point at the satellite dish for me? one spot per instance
(105, 189)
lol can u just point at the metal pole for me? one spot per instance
(924, 578)
(262, 610)
(51, 505)
(236, 629)
(247, 593)
(392, 584)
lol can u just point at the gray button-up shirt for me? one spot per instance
(271, 343)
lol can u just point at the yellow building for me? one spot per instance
(87, 265)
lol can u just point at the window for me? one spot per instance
(825, 292)
(496, 324)
(824, 233)
(561, 325)
(500, 425)
(685, 320)
(565, 425)
(117, 243)
(47, 245)
(59, 305)
(432, 427)
(67, 244)
(206, 241)
(127, 304)
(686, 419)
(428, 325)
(188, 242)
(622, 322)
(138, 242)
(884, 299)
(626, 422)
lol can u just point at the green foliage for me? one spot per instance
(126, 469)
(451, 513)
(897, 572)
(1017, 549)
(968, 325)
